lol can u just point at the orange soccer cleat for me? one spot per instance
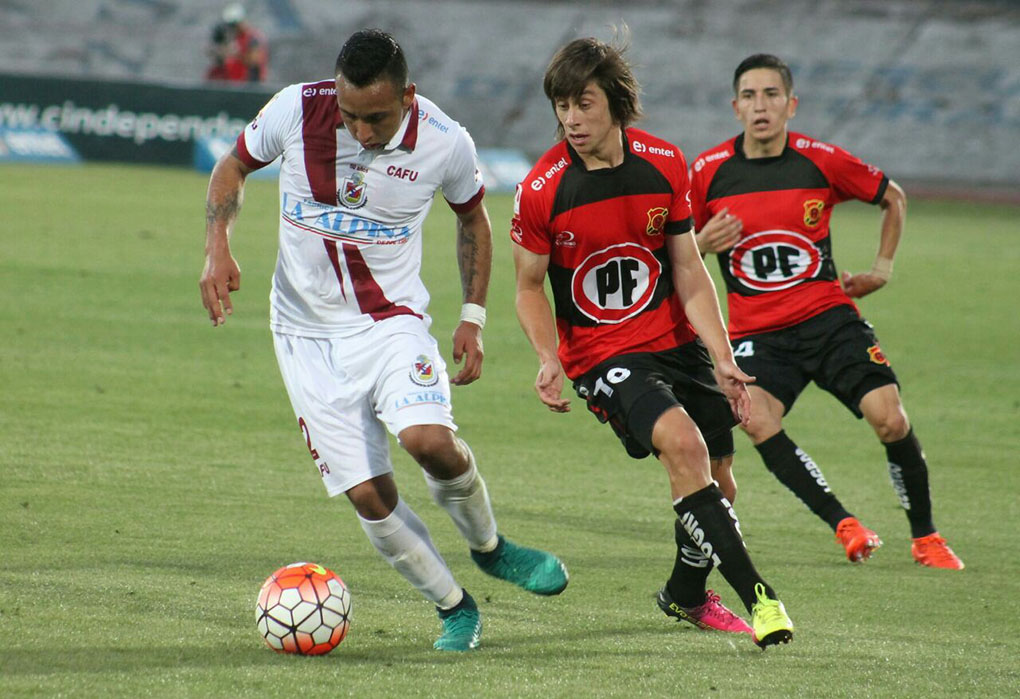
(934, 552)
(859, 541)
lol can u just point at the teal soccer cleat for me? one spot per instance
(462, 626)
(535, 571)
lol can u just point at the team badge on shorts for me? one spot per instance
(875, 352)
(813, 212)
(656, 220)
(423, 372)
(353, 193)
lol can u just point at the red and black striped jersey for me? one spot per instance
(604, 230)
(781, 272)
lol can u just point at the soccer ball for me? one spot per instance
(303, 608)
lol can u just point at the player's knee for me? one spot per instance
(436, 449)
(372, 500)
(893, 426)
(425, 442)
(684, 451)
(761, 426)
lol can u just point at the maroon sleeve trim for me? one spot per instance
(679, 227)
(469, 204)
(245, 156)
(884, 185)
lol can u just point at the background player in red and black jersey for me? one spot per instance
(762, 201)
(605, 215)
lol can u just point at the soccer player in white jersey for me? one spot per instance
(362, 157)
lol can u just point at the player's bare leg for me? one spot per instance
(403, 540)
(722, 474)
(908, 470)
(454, 481)
(707, 524)
(457, 486)
(798, 471)
(883, 410)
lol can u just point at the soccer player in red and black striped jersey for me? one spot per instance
(605, 215)
(762, 201)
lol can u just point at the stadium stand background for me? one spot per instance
(928, 89)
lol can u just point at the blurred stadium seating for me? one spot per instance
(930, 90)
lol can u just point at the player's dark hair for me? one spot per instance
(586, 60)
(765, 60)
(370, 55)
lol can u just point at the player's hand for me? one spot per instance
(467, 345)
(858, 285)
(720, 233)
(549, 386)
(220, 276)
(733, 383)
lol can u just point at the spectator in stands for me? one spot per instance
(238, 50)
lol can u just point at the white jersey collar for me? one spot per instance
(407, 135)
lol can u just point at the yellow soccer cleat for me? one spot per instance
(769, 620)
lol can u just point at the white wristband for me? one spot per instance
(473, 313)
(882, 268)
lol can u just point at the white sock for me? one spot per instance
(404, 541)
(466, 500)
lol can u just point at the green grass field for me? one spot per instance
(152, 475)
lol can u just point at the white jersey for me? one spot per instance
(350, 218)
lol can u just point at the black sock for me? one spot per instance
(713, 527)
(798, 472)
(465, 601)
(909, 474)
(686, 584)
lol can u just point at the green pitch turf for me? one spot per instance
(152, 475)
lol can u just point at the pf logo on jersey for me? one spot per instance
(615, 283)
(423, 372)
(774, 260)
(656, 220)
(813, 209)
(353, 192)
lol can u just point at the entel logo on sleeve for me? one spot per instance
(700, 163)
(540, 180)
(808, 143)
(640, 147)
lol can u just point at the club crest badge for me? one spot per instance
(813, 212)
(656, 220)
(877, 356)
(353, 192)
(423, 372)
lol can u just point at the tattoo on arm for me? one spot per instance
(223, 210)
(467, 258)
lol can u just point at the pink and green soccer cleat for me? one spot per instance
(709, 615)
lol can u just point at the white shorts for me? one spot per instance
(345, 390)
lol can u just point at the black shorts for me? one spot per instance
(632, 391)
(837, 349)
